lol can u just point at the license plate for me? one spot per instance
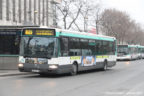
(35, 70)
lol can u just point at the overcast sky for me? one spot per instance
(135, 8)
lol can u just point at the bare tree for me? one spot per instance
(76, 13)
(70, 12)
(85, 12)
(120, 25)
(115, 23)
(96, 13)
(136, 34)
(80, 13)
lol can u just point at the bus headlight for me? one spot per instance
(53, 66)
(20, 65)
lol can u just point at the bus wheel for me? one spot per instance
(105, 66)
(74, 70)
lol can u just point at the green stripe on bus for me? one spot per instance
(130, 46)
(4, 55)
(87, 37)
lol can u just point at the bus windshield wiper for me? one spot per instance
(48, 57)
(27, 56)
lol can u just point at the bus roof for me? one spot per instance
(67, 33)
(140, 46)
(84, 35)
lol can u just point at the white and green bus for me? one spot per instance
(127, 52)
(56, 51)
(141, 51)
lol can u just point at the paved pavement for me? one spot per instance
(12, 73)
(125, 79)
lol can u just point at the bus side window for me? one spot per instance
(84, 47)
(92, 47)
(104, 47)
(114, 47)
(74, 47)
(110, 48)
(64, 46)
(98, 50)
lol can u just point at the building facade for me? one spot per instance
(9, 45)
(17, 14)
(27, 12)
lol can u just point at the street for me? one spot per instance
(125, 79)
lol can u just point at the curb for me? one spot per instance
(14, 74)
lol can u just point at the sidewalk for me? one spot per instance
(12, 73)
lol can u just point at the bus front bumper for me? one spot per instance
(123, 58)
(45, 68)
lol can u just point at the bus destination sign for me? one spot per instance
(39, 32)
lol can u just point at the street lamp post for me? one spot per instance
(85, 23)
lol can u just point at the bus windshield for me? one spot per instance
(123, 50)
(38, 47)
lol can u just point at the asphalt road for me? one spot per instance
(125, 79)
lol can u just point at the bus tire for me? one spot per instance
(74, 70)
(105, 66)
